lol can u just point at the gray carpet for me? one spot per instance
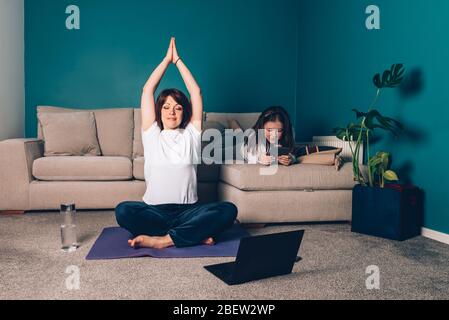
(333, 266)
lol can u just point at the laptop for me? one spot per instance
(261, 257)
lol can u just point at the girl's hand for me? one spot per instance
(265, 160)
(175, 56)
(338, 162)
(285, 160)
(169, 55)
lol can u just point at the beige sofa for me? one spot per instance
(30, 181)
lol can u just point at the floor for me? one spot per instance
(334, 266)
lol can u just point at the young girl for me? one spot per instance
(171, 135)
(277, 128)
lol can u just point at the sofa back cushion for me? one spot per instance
(137, 142)
(69, 134)
(115, 128)
(246, 120)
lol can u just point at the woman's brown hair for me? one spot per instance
(181, 99)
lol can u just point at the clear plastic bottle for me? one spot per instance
(68, 228)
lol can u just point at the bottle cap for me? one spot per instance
(68, 207)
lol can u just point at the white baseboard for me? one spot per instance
(435, 235)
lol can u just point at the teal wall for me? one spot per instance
(242, 53)
(316, 58)
(338, 57)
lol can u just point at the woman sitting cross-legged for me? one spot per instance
(171, 135)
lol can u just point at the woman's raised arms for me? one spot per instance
(147, 101)
(193, 88)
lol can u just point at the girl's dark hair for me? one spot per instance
(181, 99)
(277, 113)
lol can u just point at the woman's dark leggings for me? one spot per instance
(187, 224)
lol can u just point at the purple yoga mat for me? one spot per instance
(113, 244)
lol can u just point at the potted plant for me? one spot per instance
(392, 211)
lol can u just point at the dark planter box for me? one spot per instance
(394, 212)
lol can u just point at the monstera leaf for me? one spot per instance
(390, 78)
(350, 133)
(383, 122)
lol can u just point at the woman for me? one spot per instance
(171, 135)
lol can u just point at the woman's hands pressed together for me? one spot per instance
(172, 55)
(175, 56)
(169, 55)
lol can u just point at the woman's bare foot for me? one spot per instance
(151, 242)
(209, 241)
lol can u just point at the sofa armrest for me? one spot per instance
(16, 165)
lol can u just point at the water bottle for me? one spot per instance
(68, 228)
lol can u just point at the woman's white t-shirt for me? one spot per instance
(171, 157)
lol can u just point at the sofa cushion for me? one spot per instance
(288, 205)
(214, 125)
(245, 120)
(73, 168)
(115, 131)
(69, 134)
(296, 177)
(138, 168)
(137, 141)
(234, 124)
(114, 128)
(205, 173)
